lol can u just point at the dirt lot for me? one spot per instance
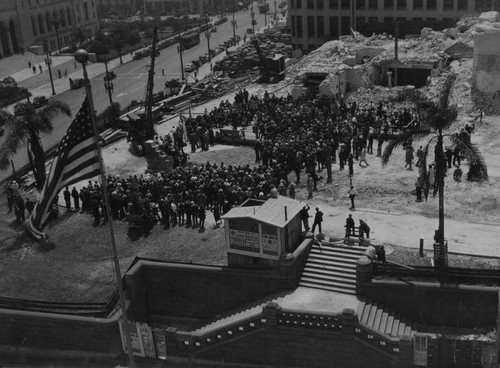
(79, 267)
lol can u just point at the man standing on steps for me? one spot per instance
(304, 217)
(318, 219)
(352, 194)
(349, 226)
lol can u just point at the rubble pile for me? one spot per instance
(447, 50)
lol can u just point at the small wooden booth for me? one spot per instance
(258, 232)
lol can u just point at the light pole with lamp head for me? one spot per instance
(82, 56)
(107, 83)
(275, 11)
(233, 22)
(55, 23)
(207, 34)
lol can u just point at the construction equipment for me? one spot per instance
(141, 128)
(271, 68)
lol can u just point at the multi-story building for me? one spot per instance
(26, 23)
(314, 22)
(184, 6)
(118, 7)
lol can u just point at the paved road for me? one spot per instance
(131, 80)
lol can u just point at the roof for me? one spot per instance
(271, 211)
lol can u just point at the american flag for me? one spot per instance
(76, 159)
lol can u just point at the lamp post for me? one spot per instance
(252, 14)
(49, 65)
(82, 56)
(265, 14)
(275, 11)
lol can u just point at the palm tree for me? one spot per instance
(25, 127)
(438, 116)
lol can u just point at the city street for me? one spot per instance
(131, 80)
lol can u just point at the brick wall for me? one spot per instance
(32, 330)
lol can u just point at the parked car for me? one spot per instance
(76, 83)
(40, 101)
(189, 67)
(110, 76)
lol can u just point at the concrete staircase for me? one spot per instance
(251, 310)
(332, 268)
(383, 321)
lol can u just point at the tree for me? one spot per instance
(79, 36)
(25, 127)
(122, 36)
(438, 116)
(98, 47)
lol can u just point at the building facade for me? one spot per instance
(314, 22)
(106, 8)
(28, 23)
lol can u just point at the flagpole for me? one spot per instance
(82, 56)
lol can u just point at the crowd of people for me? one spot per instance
(308, 134)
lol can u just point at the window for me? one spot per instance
(372, 4)
(321, 26)
(310, 27)
(360, 4)
(345, 4)
(417, 19)
(388, 20)
(372, 20)
(345, 25)
(33, 25)
(299, 27)
(299, 4)
(360, 21)
(292, 4)
(293, 26)
(334, 27)
(462, 4)
(448, 4)
(388, 4)
(431, 19)
(310, 4)
(319, 4)
(401, 4)
(86, 10)
(68, 14)
(431, 4)
(418, 4)
(334, 4)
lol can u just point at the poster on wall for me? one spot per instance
(270, 240)
(244, 235)
(135, 337)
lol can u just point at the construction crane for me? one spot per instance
(271, 71)
(149, 129)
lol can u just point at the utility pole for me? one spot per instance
(275, 11)
(180, 51)
(265, 15)
(49, 65)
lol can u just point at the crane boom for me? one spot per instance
(149, 127)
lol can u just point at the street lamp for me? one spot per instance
(207, 34)
(275, 11)
(49, 65)
(82, 56)
(265, 14)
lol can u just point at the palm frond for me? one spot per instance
(417, 133)
(6, 118)
(472, 154)
(16, 136)
(445, 90)
(54, 108)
